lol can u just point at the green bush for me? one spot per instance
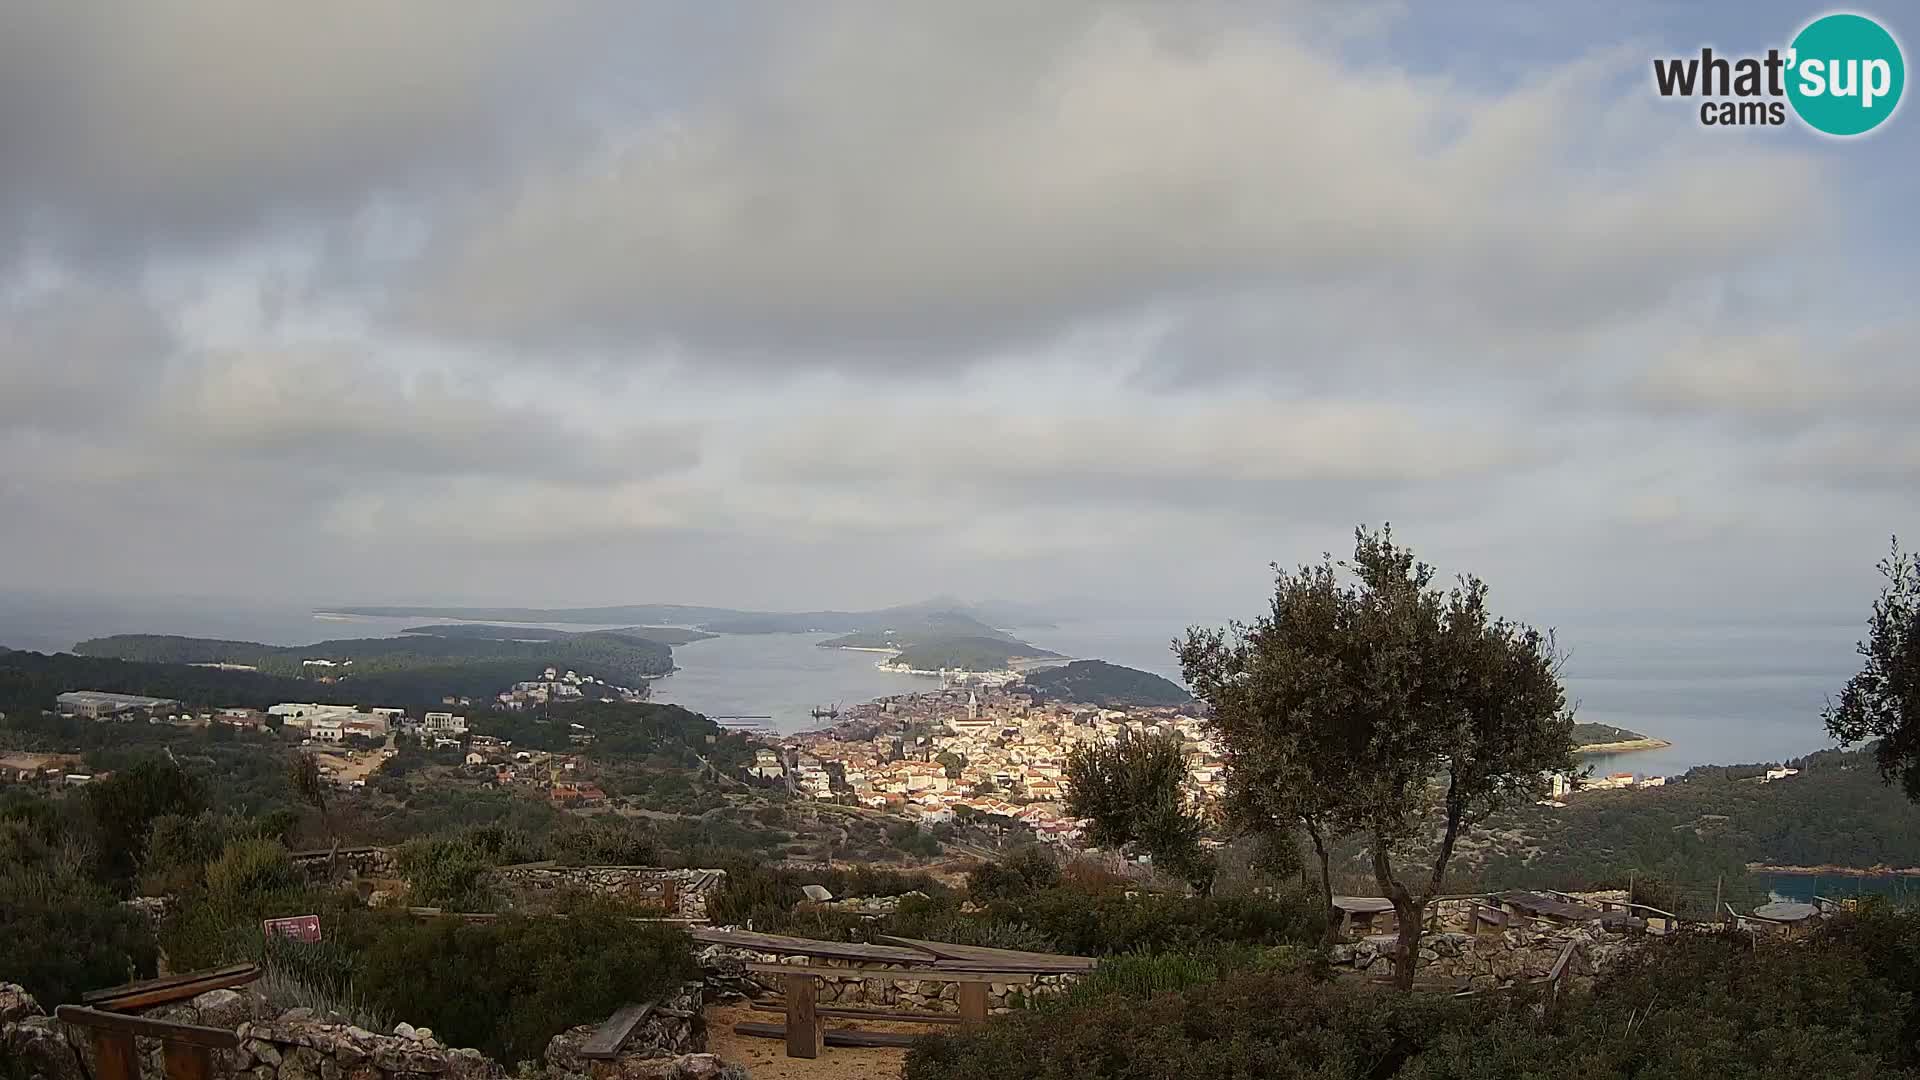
(1025, 871)
(509, 985)
(62, 933)
(1104, 921)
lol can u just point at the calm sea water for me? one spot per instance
(1720, 694)
(1902, 890)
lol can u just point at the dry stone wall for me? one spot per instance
(1489, 961)
(725, 968)
(643, 884)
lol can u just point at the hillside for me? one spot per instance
(1096, 682)
(665, 635)
(614, 657)
(968, 653)
(1695, 830)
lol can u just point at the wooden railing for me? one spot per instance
(187, 1049)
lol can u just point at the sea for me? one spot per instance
(1719, 694)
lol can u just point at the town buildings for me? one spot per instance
(99, 705)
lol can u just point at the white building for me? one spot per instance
(444, 724)
(326, 729)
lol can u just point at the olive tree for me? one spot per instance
(1134, 791)
(1370, 701)
(1882, 701)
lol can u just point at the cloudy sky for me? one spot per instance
(803, 305)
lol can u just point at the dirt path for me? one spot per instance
(766, 1059)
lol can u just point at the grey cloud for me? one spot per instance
(887, 199)
(71, 354)
(127, 124)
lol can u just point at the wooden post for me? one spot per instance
(113, 1055)
(803, 1020)
(1718, 914)
(973, 1004)
(187, 1061)
(670, 897)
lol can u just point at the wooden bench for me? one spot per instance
(802, 1029)
(605, 1042)
(187, 1049)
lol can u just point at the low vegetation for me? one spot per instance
(1689, 1008)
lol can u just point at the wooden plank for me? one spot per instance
(606, 1039)
(795, 946)
(114, 1057)
(973, 1004)
(242, 973)
(1536, 904)
(930, 974)
(832, 1036)
(187, 1061)
(1001, 959)
(803, 1023)
(81, 1016)
(864, 1014)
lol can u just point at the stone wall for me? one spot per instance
(348, 864)
(1493, 960)
(725, 970)
(643, 884)
(288, 1046)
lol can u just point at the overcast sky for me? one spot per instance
(804, 305)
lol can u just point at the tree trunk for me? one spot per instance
(1332, 934)
(1406, 910)
(1411, 911)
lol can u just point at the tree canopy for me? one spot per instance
(1882, 701)
(1133, 789)
(1369, 700)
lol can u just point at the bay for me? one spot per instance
(1719, 694)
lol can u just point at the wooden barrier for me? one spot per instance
(170, 988)
(604, 1043)
(187, 1049)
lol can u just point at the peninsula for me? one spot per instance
(1607, 739)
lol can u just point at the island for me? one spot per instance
(1110, 686)
(968, 653)
(665, 635)
(619, 659)
(1607, 739)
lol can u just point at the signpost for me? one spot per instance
(298, 927)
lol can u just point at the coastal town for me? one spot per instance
(982, 747)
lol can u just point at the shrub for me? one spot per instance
(1689, 1007)
(509, 985)
(1106, 921)
(1025, 871)
(248, 872)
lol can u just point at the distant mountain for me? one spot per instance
(665, 635)
(1096, 682)
(953, 616)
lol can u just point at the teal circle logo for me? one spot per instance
(1845, 74)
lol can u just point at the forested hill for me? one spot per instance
(1096, 682)
(30, 681)
(616, 658)
(968, 653)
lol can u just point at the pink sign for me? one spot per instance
(299, 927)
